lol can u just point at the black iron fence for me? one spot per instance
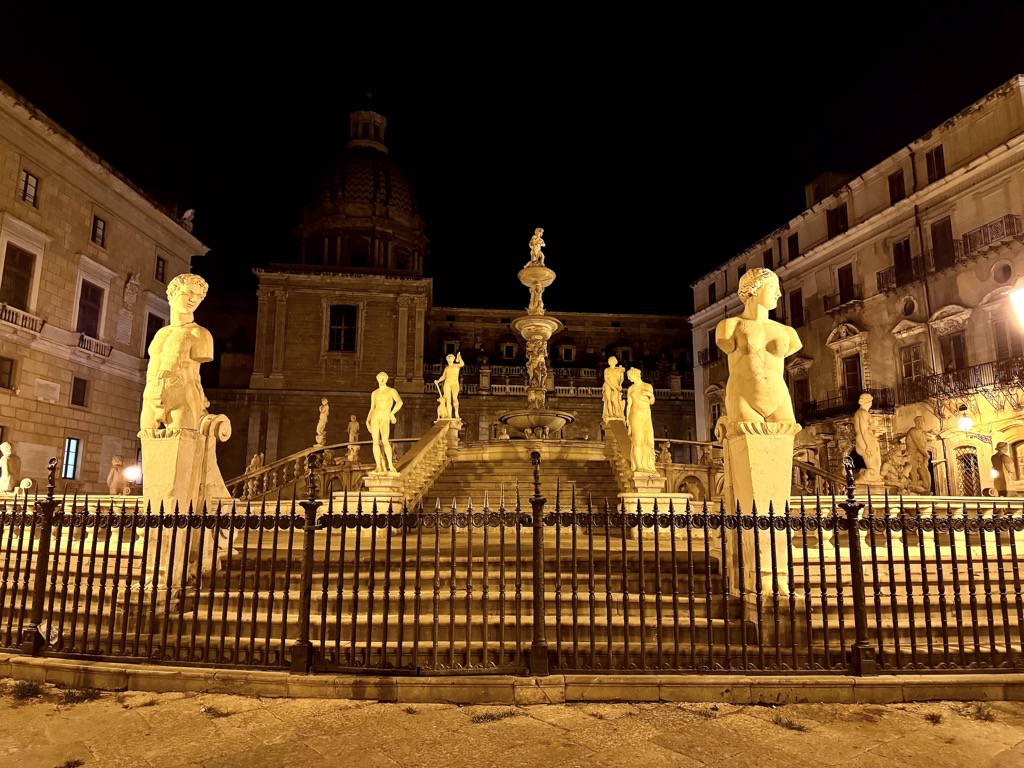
(845, 586)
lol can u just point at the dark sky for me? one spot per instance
(650, 148)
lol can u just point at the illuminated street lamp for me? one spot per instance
(133, 474)
(965, 422)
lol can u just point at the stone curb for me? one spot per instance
(511, 690)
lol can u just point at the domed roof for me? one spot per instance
(365, 175)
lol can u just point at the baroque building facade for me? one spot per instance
(85, 257)
(355, 301)
(898, 283)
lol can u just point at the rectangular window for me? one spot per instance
(341, 329)
(903, 262)
(16, 282)
(153, 324)
(6, 373)
(740, 272)
(838, 220)
(897, 188)
(508, 351)
(1007, 337)
(767, 260)
(936, 163)
(69, 467)
(852, 382)
(954, 352)
(566, 354)
(912, 361)
(90, 305)
(99, 231)
(712, 293)
(801, 394)
(28, 188)
(716, 414)
(793, 246)
(712, 354)
(161, 269)
(796, 308)
(942, 243)
(847, 288)
(78, 390)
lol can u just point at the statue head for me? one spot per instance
(187, 282)
(116, 461)
(450, 358)
(633, 374)
(1001, 446)
(753, 280)
(382, 378)
(865, 399)
(613, 361)
(6, 449)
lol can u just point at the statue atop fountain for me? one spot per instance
(536, 328)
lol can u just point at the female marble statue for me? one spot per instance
(757, 347)
(866, 439)
(639, 398)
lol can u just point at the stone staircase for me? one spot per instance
(496, 471)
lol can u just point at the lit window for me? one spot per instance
(99, 231)
(69, 467)
(28, 189)
(341, 328)
(78, 390)
(912, 361)
(161, 269)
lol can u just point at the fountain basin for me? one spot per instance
(533, 419)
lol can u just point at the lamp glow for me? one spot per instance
(1017, 301)
(965, 422)
(133, 473)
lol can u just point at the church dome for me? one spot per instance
(363, 214)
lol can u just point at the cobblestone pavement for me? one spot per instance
(42, 726)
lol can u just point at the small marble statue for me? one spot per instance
(866, 439)
(536, 243)
(757, 347)
(665, 454)
(353, 437)
(173, 397)
(639, 398)
(448, 385)
(187, 219)
(252, 483)
(385, 402)
(115, 477)
(536, 302)
(917, 456)
(611, 390)
(10, 468)
(503, 434)
(321, 425)
(1002, 469)
(442, 408)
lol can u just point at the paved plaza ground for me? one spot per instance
(45, 726)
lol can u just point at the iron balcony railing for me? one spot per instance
(845, 402)
(837, 300)
(996, 374)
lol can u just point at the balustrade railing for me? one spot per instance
(95, 346)
(20, 318)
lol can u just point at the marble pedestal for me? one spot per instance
(758, 474)
(384, 490)
(180, 472)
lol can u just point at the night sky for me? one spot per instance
(650, 148)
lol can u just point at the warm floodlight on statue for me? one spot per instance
(1017, 302)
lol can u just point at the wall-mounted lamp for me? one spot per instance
(133, 473)
(965, 422)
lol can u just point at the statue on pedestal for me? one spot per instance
(536, 243)
(321, 425)
(10, 468)
(448, 386)
(115, 477)
(639, 398)
(611, 390)
(867, 441)
(385, 402)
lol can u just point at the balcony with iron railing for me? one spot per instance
(964, 248)
(843, 402)
(950, 385)
(843, 298)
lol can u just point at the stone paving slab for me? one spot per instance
(46, 726)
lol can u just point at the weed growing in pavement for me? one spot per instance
(23, 690)
(410, 710)
(785, 722)
(75, 763)
(489, 717)
(78, 695)
(977, 710)
(213, 711)
(150, 702)
(933, 717)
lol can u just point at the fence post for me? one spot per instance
(302, 650)
(32, 638)
(540, 663)
(862, 655)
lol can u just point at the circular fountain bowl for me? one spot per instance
(532, 419)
